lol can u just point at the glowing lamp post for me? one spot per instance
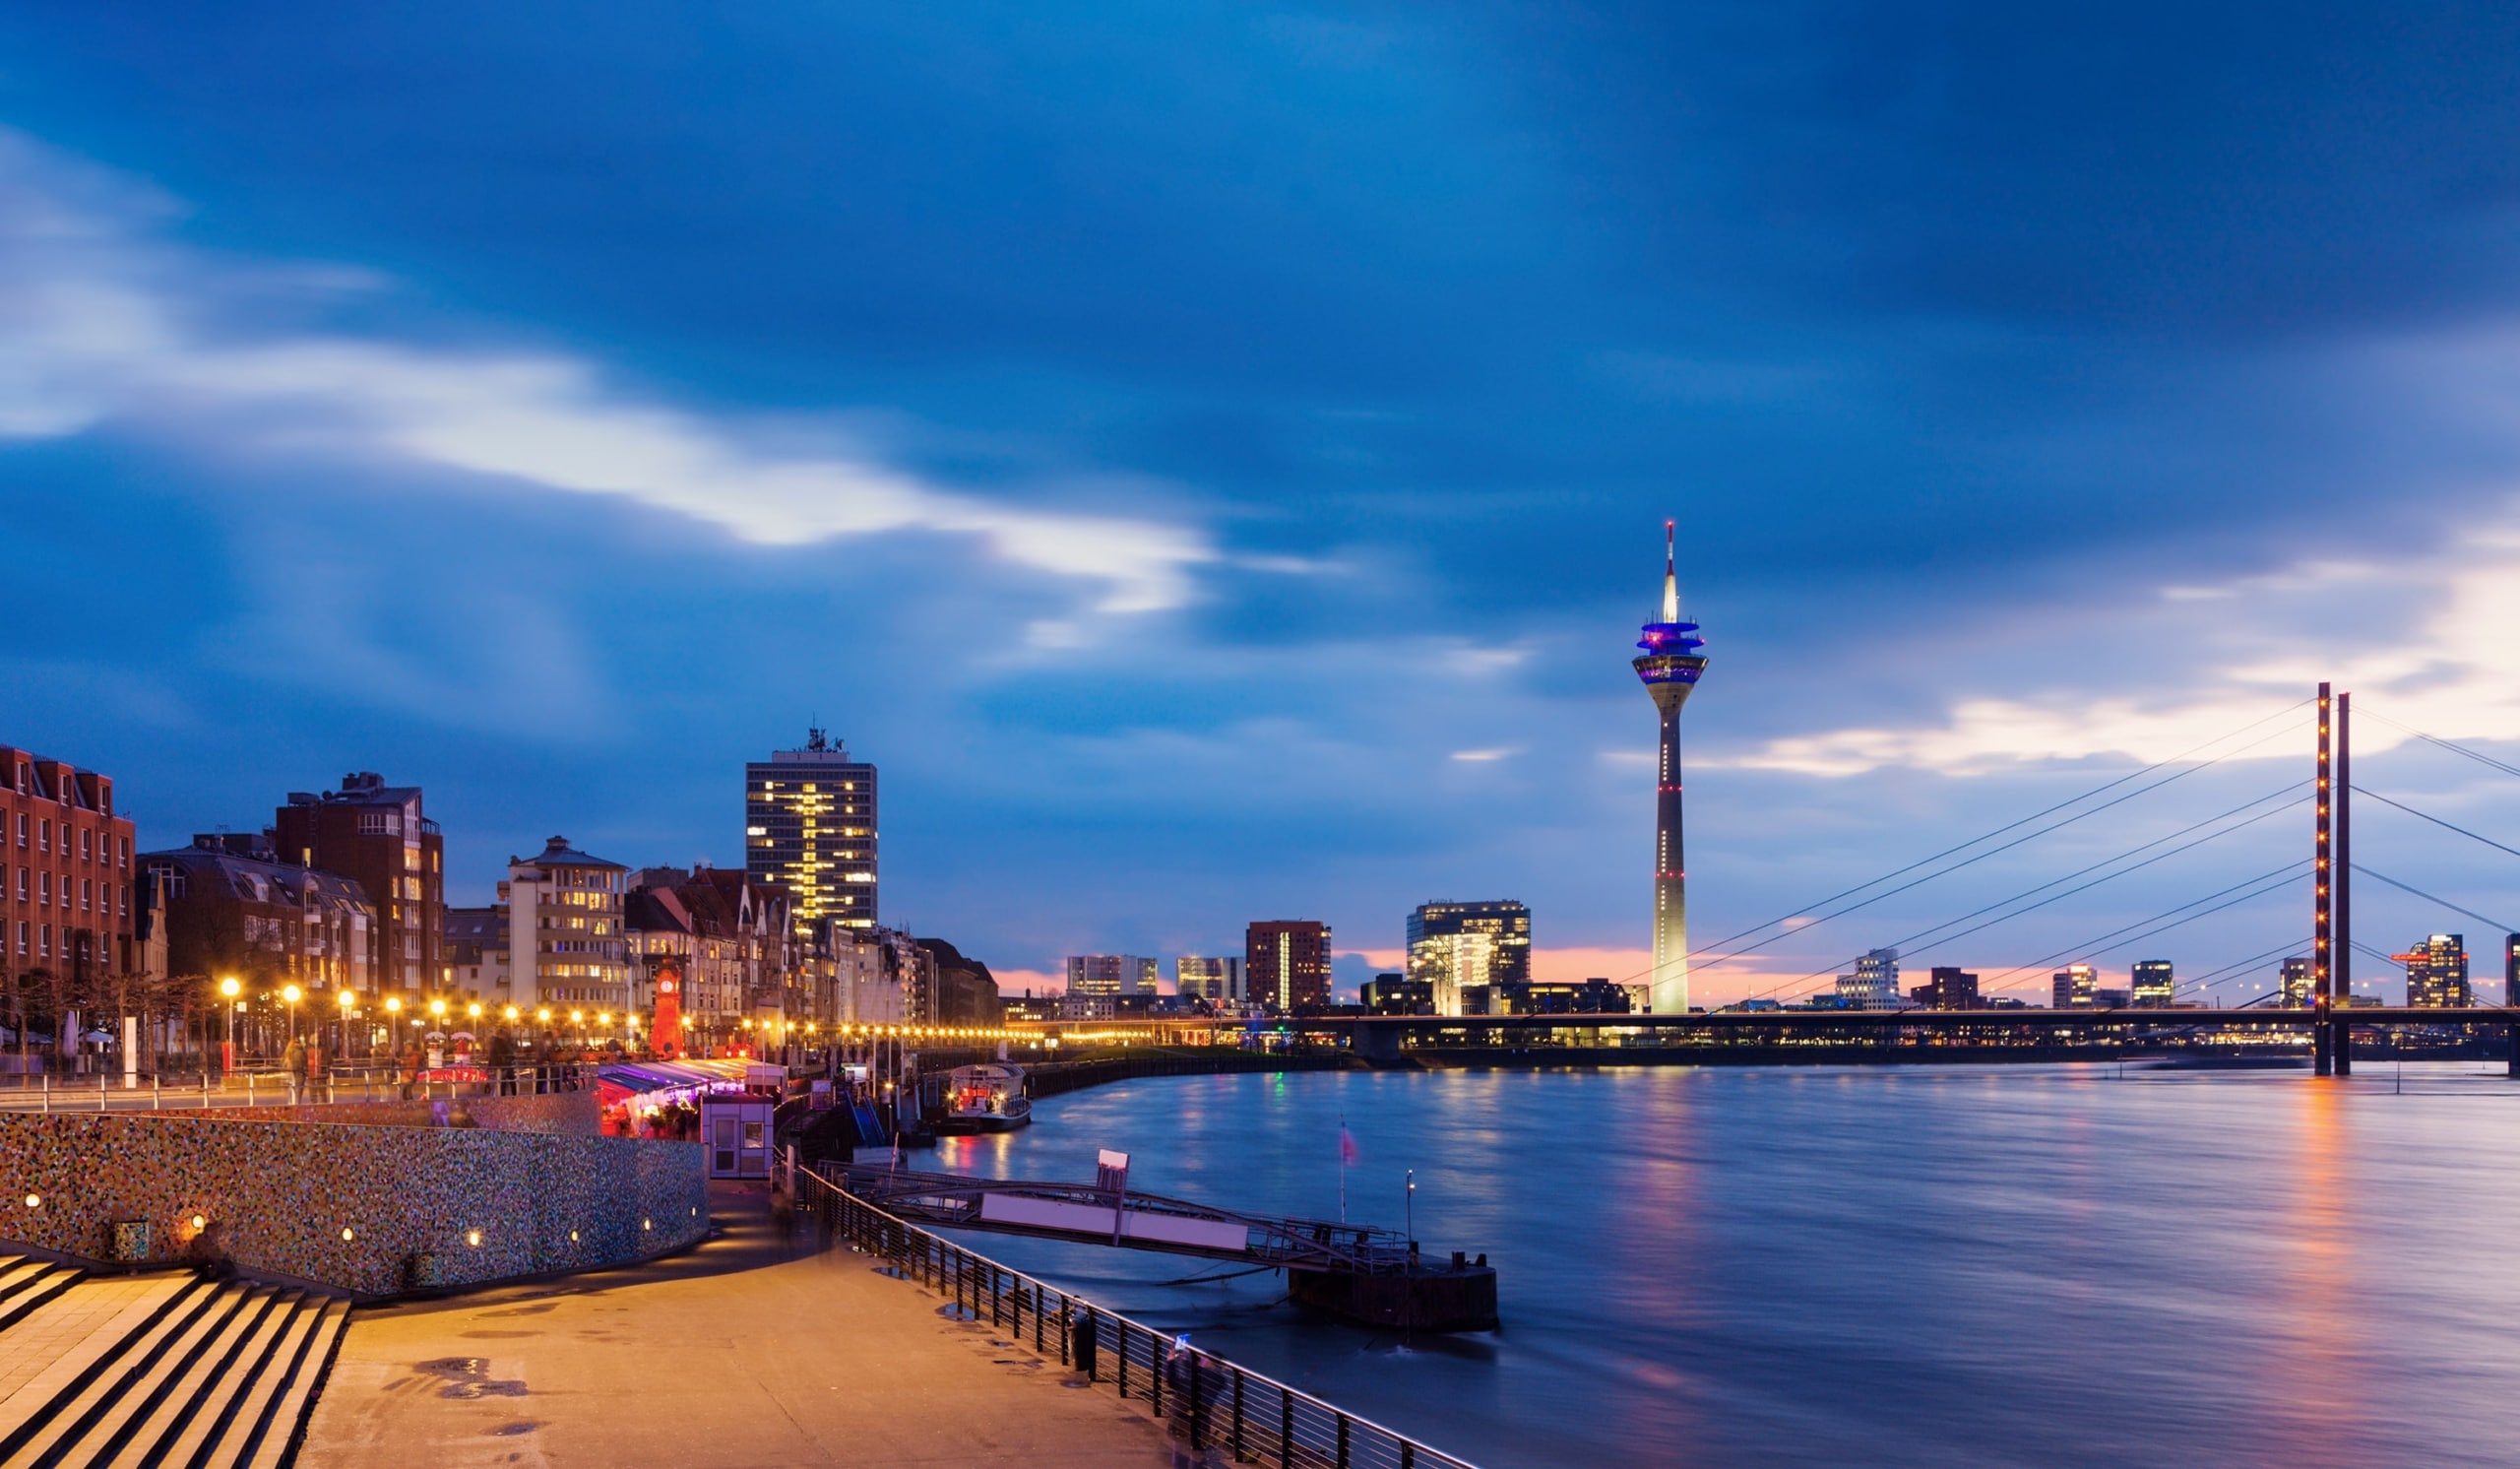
(230, 989)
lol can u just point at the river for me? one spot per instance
(1898, 1265)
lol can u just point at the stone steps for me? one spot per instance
(168, 1369)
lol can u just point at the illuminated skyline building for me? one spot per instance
(809, 827)
(1670, 666)
(2076, 986)
(1459, 946)
(1202, 976)
(1875, 985)
(1286, 964)
(2296, 976)
(2436, 973)
(2155, 981)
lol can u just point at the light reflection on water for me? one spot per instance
(1912, 1266)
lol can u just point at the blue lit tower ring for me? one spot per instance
(1669, 666)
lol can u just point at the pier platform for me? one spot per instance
(748, 1350)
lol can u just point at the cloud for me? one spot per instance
(103, 324)
(2422, 641)
(1483, 757)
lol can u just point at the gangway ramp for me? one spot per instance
(1372, 1275)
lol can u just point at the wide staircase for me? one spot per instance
(168, 1368)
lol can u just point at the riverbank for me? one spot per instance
(756, 1348)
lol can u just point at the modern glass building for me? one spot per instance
(1208, 977)
(2436, 973)
(2155, 983)
(2295, 975)
(1111, 975)
(809, 827)
(1458, 946)
(2076, 986)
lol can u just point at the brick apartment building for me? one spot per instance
(66, 896)
(233, 908)
(377, 836)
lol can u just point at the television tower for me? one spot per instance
(1669, 666)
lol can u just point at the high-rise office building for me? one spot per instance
(2436, 973)
(1950, 987)
(809, 827)
(2511, 969)
(1875, 985)
(2295, 975)
(378, 836)
(1215, 979)
(2154, 983)
(2076, 986)
(1670, 666)
(1286, 964)
(1470, 946)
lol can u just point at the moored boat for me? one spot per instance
(986, 1098)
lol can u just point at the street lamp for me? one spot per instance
(291, 994)
(229, 987)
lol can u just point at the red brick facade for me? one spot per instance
(66, 865)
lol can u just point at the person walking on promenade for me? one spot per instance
(296, 1060)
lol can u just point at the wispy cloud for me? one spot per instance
(2424, 639)
(103, 323)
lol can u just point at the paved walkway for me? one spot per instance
(745, 1352)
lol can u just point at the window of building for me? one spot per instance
(46, 898)
(21, 939)
(87, 895)
(43, 941)
(44, 835)
(86, 845)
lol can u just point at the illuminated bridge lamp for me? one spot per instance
(1670, 666)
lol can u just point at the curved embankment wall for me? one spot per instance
(568, 1114)
(373, 1210)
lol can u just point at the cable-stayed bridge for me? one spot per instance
(2287, 960)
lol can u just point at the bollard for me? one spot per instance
(1087, 1353)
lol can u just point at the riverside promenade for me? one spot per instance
(752, 1348)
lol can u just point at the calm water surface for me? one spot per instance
(1997, 1265)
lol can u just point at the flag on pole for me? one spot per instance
(1347, 1145)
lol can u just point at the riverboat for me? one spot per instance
(986, 1098)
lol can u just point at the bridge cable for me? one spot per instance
(2429, 898)
(1992, 851)
(2263, 884)
(1946, 939)
(2456, 749)
(2435, 820)
(2213, 976)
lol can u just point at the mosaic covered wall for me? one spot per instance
(562, 1113)
(373, 1210)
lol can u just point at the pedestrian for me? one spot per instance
(296, 1060)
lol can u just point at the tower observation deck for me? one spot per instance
(1669, 666)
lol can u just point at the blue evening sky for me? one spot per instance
(1214, 459)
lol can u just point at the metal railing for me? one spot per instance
(1209, 1402)
(165, 1091)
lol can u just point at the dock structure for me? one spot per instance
(1376, 1277)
